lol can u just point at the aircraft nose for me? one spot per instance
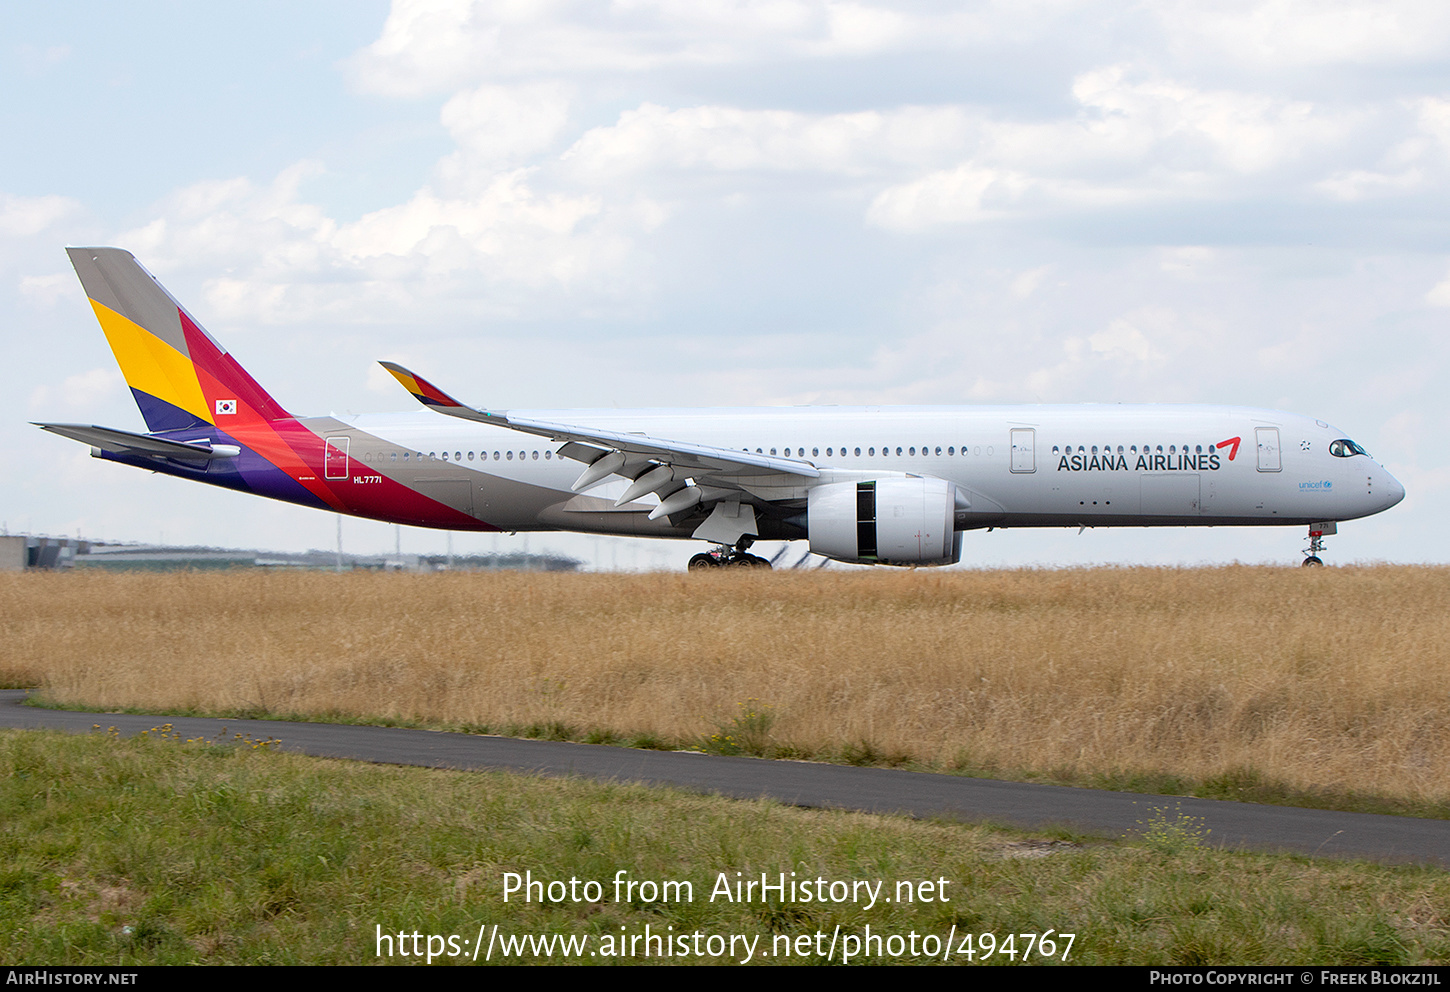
(1392, 490)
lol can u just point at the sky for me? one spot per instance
(644, 203)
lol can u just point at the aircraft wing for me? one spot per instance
(124, 442)
(683, 474)
(708, 459)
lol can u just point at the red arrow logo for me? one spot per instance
(1231, 441)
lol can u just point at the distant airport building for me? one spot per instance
(21, 551)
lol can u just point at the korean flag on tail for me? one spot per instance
(224, 407)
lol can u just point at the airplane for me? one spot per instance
(868, 485)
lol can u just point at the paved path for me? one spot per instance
(872, 790)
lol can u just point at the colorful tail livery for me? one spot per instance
(181, 378)
(877, 485)
(194, 397)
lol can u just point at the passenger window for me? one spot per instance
(511, 456)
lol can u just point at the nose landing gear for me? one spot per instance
(1316, 543)
(728, 556)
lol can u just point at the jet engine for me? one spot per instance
(898, 521)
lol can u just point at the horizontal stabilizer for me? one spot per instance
(124, 442)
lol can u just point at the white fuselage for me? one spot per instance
(1017, 466)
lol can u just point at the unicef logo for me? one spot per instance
(1327, 484)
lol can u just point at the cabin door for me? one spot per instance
(335, 457)
(1268, 445)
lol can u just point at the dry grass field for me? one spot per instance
(1332, 679)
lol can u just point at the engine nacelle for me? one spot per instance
(898, 521)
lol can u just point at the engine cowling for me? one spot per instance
(898, 521)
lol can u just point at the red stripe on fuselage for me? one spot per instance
(388, 500)
(262, 425)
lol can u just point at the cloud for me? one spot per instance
(1121, 340)
(432, 46)
(1281, 34)
(44, 291)
(1439, 294)
(951, 196)
(81, 393)
(501, 127)
(710, 139)
(270, 255)
(35, 60)
(1136, 138)
(27, 216)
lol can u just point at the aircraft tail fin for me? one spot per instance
(179, 375)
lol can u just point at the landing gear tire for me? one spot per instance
(727, 558)
(1313, 562)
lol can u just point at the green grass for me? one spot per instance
(160, 851)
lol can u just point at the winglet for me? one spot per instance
(423, 391)
(434, 398)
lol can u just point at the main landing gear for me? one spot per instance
(1316, 543)
(726, 556)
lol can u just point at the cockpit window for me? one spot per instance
(1345, 448)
